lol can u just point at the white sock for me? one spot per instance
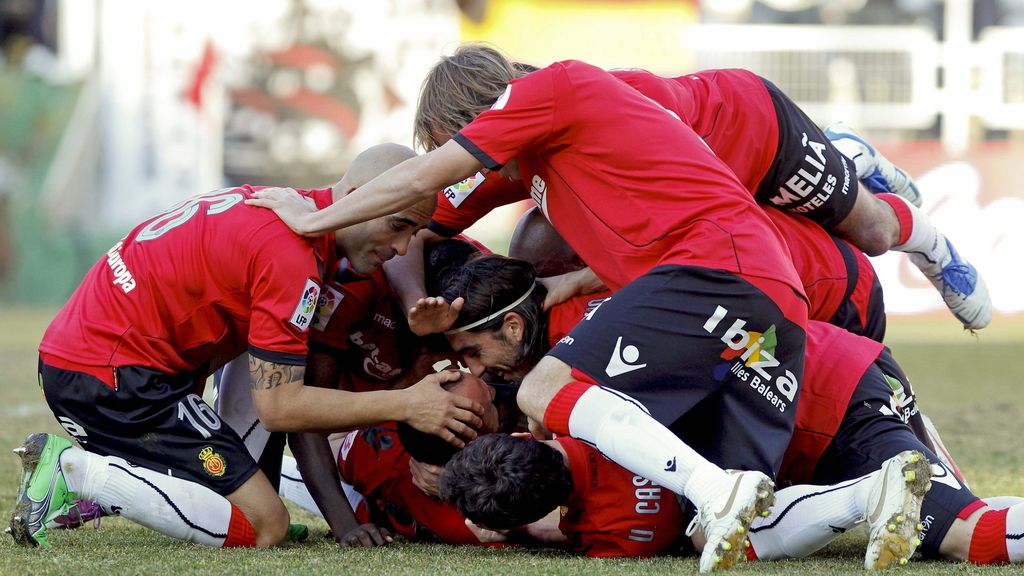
(806, 518)
(1015, 533)
(623, 430)
(926, 244)
(1001, 502)
(171, 506)
(293, 488)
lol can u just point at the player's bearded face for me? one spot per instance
(492, 352)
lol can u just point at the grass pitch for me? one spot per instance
(969, 385)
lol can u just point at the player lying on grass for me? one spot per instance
(785, 161)
(852, 417)
(123, 364)
(507, 486)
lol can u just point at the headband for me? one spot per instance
(490, 317)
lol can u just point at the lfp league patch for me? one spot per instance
(303, 315)
(328, 303)
(458, 192)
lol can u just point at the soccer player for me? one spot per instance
(785, 161)
(852, 417)
(359, 341)
(660, 220)
(500, 483)
(123, 364)
(507, 485)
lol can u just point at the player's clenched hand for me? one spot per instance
(432, 409)
(366, 535)
(433, 315)
(424, 476)
(288, 204)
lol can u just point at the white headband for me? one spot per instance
(490, 317)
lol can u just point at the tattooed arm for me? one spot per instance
(284, 404)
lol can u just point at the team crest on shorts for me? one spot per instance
(213, 463)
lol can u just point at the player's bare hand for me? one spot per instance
(424, 476)
(484, 535)
(433, 315)
(565, 286)
(290, 206)
(434, 410)
(366, 535)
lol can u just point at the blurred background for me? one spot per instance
(111, 110)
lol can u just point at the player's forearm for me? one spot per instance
(285, 404)
(410, 182)
(319, 472)
(298, 408)
(396, 189)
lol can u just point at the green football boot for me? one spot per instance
(296, 533)
(43, 494)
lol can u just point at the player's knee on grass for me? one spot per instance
(541, 384)
(258, 500)
(871, 226)
(273, 524)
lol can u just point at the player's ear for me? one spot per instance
(514, 327)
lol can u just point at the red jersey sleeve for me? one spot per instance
(522, 118)
(459, 206)
(284, 288)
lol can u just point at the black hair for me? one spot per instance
(442, 259)
(426, 447)
(491, 282)
(501, 482)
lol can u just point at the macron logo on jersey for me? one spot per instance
(623, 360)
(303, 315)
(457, 193)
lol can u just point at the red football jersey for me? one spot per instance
(376, 464)
(460, 205)
(563, 317)
(361, 317)
(834, 364)
(613, 512)
(627, 195)
(817, 260)
(730, 109)
(191, 288)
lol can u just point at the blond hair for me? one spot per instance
(458, 88)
